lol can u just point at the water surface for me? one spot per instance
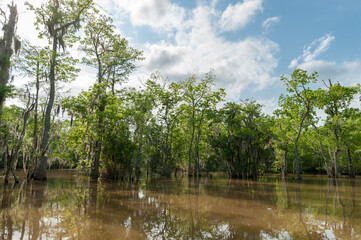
(69, 206)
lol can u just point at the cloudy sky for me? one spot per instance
(249, 44)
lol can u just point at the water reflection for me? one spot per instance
(73, 207)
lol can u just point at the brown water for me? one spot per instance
(68, 206)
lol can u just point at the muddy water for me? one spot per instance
(69, 206)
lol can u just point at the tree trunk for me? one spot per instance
(40, 172)
(12, 157)
(333, 157)
(328, 171)
(94, 170)
(351, 171)
(6, 52)
(190, 149)
(284, 172)
(296, 148)
(296, 161)
(34, 157)
(197, 170)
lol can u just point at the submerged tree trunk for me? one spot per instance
(11, 161)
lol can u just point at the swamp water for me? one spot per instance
(68, 206)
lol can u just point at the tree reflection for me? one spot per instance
(197, 208)
(353, 196)
(93, 197)
(298, 195)
(37, 198)
(6, 218)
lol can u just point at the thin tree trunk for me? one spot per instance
(327, 168)
(284, 172)
(34, 157)
(12, 158)
(40, 172)
(296, 148)
(190, 149)
(94, 170)
(197, 170)
(351, 171)
(334, 160)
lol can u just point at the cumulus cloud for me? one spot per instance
(347, 72)
(268, 105)
(195, 45)
(313, 50)
(239, 15)
(269, 22)
(198, 48)
(158, 14)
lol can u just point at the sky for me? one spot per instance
(248, 44)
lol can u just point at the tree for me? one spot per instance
(33, 63)
(336, 101)
(282, 130)
(57, 20)
(9, 44)
(243, 140)
(300, 103)
(110, 54)
(168, 96)
(139, 106)
(14, 136)
(199, 98)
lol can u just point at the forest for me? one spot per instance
(163, 128)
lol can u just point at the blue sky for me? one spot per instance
(248, 43)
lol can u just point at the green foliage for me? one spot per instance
(60, 19)
(165, 127)
(242, 139)
(5, 91)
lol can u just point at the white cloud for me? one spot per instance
(269, 22)
(159, 14)
(348, 72)
(195, 46)
(198, 48)
(268, 105)
(239, 15)
(312, 51)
